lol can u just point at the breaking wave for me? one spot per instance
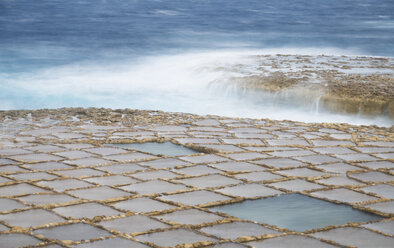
(189, 82)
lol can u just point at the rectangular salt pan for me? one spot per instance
(296, 212)
(166, 148)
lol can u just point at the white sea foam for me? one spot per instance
(176, 83)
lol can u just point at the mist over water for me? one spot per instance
(176, 55)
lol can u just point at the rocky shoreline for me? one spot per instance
(343, 84)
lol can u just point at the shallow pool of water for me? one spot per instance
(166, 148)
(296, 212)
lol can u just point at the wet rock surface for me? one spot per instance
(348, 84)
(62, 185)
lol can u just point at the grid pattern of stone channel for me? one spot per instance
(62, 185)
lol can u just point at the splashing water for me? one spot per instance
(194, 82)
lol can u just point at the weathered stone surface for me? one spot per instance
(66, 184)
(378, 143)
(73, 232)
(100, 193)
(156, 174)
(111, 180)
(190, 217)
(205, 159)
(196, 197)
(371, 149)
(384, 207)
(30, 218)
(235, 230)
(279, 162)
(207, 122)
(378, 165)
(143, 205)
(197, 170)
(121, 168)
(164, 163)
(86, 210)
(32, 176)
(341, 168)
(224, 148)
(356, 157)
(358, 237)
(11, 169)
(17, 240)
(47, 199)
(301, 172)
(339, 181)
(332, 143)
(297, 185)
(386, 227)
(4, 161)
(104, 151)
(13, 151)
(48, 166)
(209, 181)
(174, 237)
(36, 157)
(197, 141)
(246, 156)
(259, 176)
(169, 128)
(237, 166)
(113, 242)
(373, 176)
(133, 224)
(287, 142)
(382, 190)
(3, 228)
(229, 245)
(4, 180)
(154, 186)
(129, 157)
(76, 146)
(343, 195)
(88, 161)
(293, 153)
(290, 241)
(249, 191)
(333, 150)
(74, 154)
(9, 205)
(80, 173)
(21, 189)
(318, 159)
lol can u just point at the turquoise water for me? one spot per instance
(296, 212)
(166, 148)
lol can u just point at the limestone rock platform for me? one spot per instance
(64, 181)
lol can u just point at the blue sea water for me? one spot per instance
(154, 54)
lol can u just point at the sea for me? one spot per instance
(168, 54)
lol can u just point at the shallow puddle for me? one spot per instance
(296, 212)
(166, 148)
